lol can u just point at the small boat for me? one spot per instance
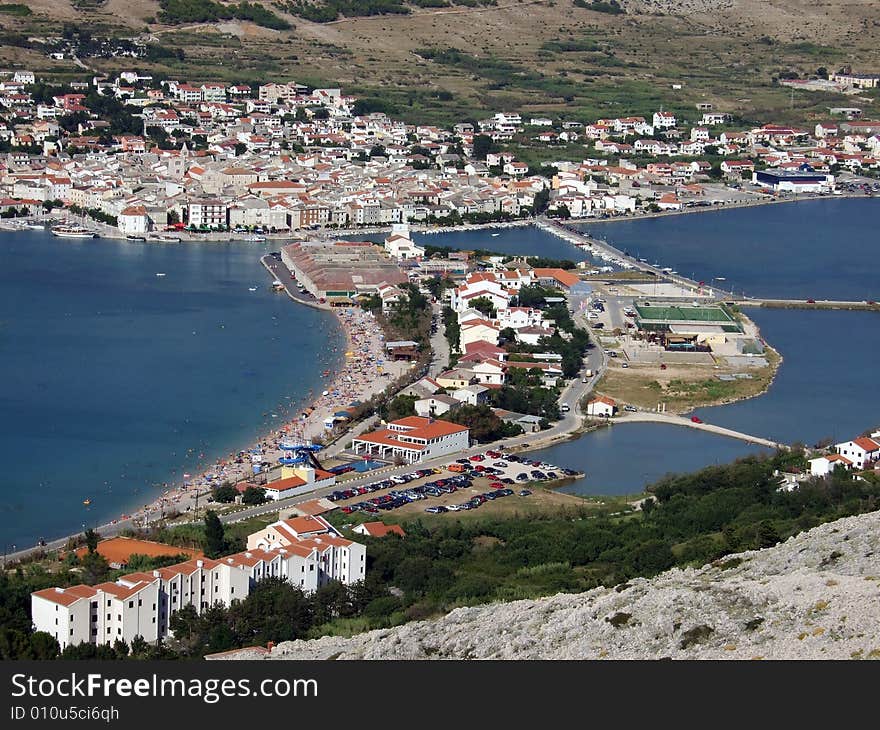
(87, 502)
(252, 288)
(494, 235)
(73, 232)
(36, 226)
(160, 273)
(135, 238)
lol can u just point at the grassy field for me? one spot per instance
(683, 387)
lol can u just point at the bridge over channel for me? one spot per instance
(649, 417)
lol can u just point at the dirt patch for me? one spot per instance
(684, 387)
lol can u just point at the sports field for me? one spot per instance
(674, 313)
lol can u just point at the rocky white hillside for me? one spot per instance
(815, 596)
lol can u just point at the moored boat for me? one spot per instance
(73, 232)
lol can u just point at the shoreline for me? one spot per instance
(351, 380)
(187, 496)
(106, 231)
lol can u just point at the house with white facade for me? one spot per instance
(400, 245)
(602, 407)
(824, 465)
(861, 451)
(133, 221)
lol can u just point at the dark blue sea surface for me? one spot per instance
(113, 379)
(624, 458)
(820, 249)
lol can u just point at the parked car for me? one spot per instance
(524, 492)
(436, 509)
(696, 419)
(631, 409)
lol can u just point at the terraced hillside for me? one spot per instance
(438, 59)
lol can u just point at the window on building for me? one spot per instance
(56, 620)
(108, 629)
(232, 591)
(154, 606)
(131, 604)
(71, 632)
(119, 630)
(154, 619)
(108, 604)
(94, 632)
(108, 616)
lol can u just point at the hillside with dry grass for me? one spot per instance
(440, 63)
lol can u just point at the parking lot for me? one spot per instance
(461, 485)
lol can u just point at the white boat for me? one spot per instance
(36, 226)
(495, 234)
(252, 288)
(73, 232)
(160, 273)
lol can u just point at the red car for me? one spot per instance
(477, 457)
(696, 419)
(811, 301)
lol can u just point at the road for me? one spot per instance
(649, 417)
(439, 344)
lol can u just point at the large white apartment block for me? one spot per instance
(413, 439)
(305, 551)
(208, 213)
(313, 552)
(100, 614)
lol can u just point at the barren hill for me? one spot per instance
(815, 596)
(538, 56)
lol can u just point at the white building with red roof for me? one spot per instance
(861, 451)
(824, 465)
(601, 406)
(413, 439)
(305, 551)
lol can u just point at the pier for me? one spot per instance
(606, 250)
(864, 306)
(649, 417)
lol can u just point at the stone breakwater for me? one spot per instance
(815, 596)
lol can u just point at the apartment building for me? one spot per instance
(100, 614)
(304, 551)
(210, 213)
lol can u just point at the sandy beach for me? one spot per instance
(363, 372)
